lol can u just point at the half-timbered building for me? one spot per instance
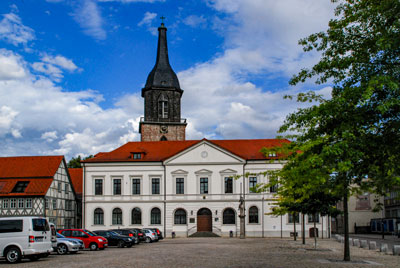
(37, 186)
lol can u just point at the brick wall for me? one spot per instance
(154, 132)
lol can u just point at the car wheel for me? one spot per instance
(62, 249)
(13, 255)
(148, 240)
(120, 244)
(93, 246)
(34, 257)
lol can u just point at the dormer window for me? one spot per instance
(163, 107)
(20, 187)
(272, 154)
(136, 156)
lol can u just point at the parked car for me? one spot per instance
(65, 245)
(128, 232)
(90, 239)
(115, 239)
(158, 232)
(150, 236)
(24, 237)
(140, 234)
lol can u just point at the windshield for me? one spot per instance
(90, 233)
(60, 236)
(114, 233)
(40, 225)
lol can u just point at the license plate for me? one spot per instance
(39, 239)
(105, 245)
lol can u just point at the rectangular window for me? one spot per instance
(46, 203)
(155, 186)
(137, 155)
(66, 188)
(98, 187)
(135, 186)
(253, 184)
(290, 220)
(228, 185)
(117, 186)
(273, 189)
(5, 203)
(180, 185)
(204, 185)
(68, 205)
(311, 218)
(21, 203)
(28, 203)
(54, 203)
(11, 226)
(59, 187)
(13, 203)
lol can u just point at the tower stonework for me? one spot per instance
(162, 99)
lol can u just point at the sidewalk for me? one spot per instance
(389, 239)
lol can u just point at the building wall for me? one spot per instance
(190, 165)
(24, 206)
(57, 210)
(154, 132)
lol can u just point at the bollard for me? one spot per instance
(363, 244)
(384, 248)
(230, 233)
(173, 234)
(396, 250)
(372, 245)
(356, 242)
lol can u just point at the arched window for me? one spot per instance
(180, 216)
(155, 216)
(253, 215)
(163, 107)
(98, 216)
(136, 216)
(228, 216)
(117, 216)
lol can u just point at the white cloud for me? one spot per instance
(60, 61)
(132, 1)
(7, 117)
(195, 21)
(13, 31)
(49, 136)
(147, 21)
(88, 16)
(11, 66)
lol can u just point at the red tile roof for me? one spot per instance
(36, 186)
(29, 166)
(161, 150)
(38, 170)
(76, 175)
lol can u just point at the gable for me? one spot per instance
(204, 153)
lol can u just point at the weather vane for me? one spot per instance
(162, 20)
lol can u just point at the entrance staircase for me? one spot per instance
(204, 234)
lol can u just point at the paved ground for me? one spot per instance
(219, 252)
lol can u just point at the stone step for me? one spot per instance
(204, 234)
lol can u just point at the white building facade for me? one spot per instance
(195, 189)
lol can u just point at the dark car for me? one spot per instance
(157, 231)
(140, 234)
(115, 239)
(128, 232)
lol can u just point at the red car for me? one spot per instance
(90, 239)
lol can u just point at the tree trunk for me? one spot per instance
(315, 230)
(294, 226)
(303, 226)
(346, 226)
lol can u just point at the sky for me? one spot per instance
(71, 71)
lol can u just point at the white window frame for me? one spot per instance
(102, 186)
(203, 174)
(140, 178)
(151, 177)
(28, 201)
(113, 178)
(21, 201)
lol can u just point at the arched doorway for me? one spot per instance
(204, 220)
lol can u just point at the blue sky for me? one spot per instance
(71, 71)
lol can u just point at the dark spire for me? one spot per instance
(162, 75)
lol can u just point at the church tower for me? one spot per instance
(162, 99)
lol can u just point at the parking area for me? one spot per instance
(218, 252)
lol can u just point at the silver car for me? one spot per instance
(150, 235)
(65, 245)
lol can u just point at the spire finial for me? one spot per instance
(162, 20)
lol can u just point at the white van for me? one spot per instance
(24, 237)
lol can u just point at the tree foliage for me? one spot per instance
(75, 162)
(353, 138)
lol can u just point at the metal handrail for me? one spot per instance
(164, 120)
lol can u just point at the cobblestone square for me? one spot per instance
(220, 252)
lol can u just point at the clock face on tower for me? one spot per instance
(164, 129)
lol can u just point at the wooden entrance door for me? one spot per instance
(204, 220)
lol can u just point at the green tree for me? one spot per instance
(75, 162)
(355, 134)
